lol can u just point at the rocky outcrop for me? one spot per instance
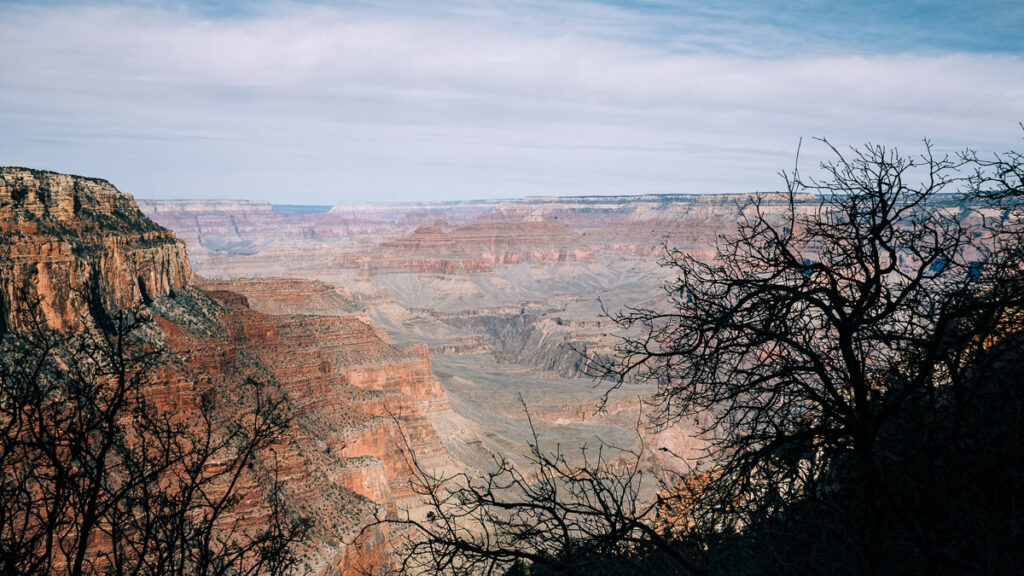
(76, 248)
(290, 296)
(370, 553)
(478, 247)
(360, 406)
(546, 342)
(357, 403)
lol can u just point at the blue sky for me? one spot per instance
(315, 102)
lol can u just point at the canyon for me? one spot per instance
(387, 331)
(508, 297)
(75, 253)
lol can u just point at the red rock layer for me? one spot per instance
(81, 248)
(474, 248)
(77, 245)
(358, 405)
(289, 296)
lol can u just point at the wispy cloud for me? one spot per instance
(465, 99)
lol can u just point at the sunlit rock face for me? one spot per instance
(79, 247)
(358, 403)
(81, 250)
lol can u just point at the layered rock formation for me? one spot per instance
(79, 248)
(358, 405)
(230, 239)
(477, 247)
(510, 282)
(289, 295)
(221, 233)
(502, 293)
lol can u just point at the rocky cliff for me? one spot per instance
(477, 247)
(289, 296)
(357, 404)
(79, 248)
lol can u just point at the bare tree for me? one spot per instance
(812, 330)
(552, 516)
(96, 479)
(843, 357)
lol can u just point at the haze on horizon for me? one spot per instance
(308, 102)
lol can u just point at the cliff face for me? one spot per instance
(477, 247)
(347, 390)
(79, 247)
(290, 296)
(82, 250)
(342, 378)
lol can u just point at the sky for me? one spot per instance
(310, 102)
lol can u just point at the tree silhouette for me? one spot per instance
(815, 329)
(840, 356)
(96, 479)
(556, 515)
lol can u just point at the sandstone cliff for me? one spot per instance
(347, 390)
(83, 250)
(80, 248)
(476, 247)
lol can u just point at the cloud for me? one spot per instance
(320, 104)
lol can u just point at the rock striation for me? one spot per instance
(230, 239)
(289, 295)
(80, 249)
(358, 404)
(476, 247)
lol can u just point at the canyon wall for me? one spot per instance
(79, 248)
(504, 294)
(358, 405)
(338, 312)
(76, 250)
(384, 331)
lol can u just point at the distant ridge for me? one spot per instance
(302, 208)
